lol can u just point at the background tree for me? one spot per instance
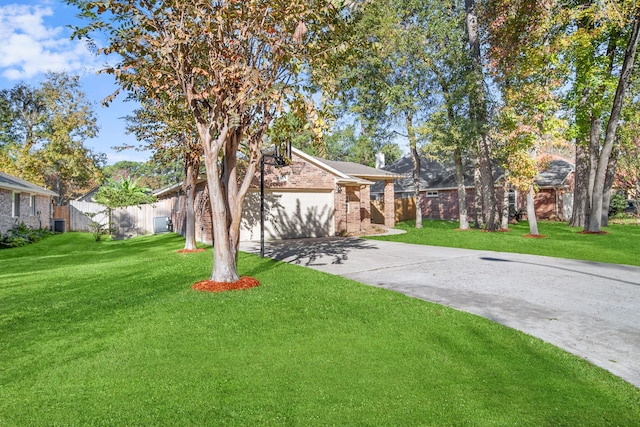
(150, 173)
(479, 116)
(168, 130)
(45, 134)
(603, 37)
(524, 48)
(234, 62)
(122, 193)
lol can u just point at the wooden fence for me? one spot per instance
(404, 209)
(128, 222)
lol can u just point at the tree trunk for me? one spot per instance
(531, 212)
(608, 186)
(477, 197)
(413, 145)
(191, 172)
(505, 205)
(224, 260)
(595, 213)
(462, 192)
(478, 111)
(580, 188)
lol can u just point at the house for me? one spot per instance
(22, 201)
(554, 197)
(310, 197)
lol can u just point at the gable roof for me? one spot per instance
(347, 172)
(16, 184)
(441, 175)
(555, 173)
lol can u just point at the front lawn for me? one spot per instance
(111, 334)
(620, 244)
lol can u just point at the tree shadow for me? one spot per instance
(313, 251)
(615, 266)
(315, 222)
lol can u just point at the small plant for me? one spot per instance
(21, 235)
(98, 226)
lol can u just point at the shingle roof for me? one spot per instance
(358, 170)
(555, 173)
(440, 175)
(13, 183)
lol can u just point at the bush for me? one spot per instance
(617, 204)
(21, 235)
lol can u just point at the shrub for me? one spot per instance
(21, 235)
(617, 204)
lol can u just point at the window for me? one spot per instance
(32, 205)
(15, 205)
(512, 200)
(431, 194)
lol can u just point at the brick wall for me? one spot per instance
(42, 205)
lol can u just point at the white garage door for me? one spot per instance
(288, 215)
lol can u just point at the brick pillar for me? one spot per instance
(365, 208)
(389, 205)
(340, 212)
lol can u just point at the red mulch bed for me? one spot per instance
(592, 232)
(534, 236)
(188, 251)
(245, 282)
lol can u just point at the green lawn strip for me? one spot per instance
(113, 335)
(619, 245)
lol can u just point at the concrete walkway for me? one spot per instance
(589, 309)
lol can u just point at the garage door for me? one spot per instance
(288, 215)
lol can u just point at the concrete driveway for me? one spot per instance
(589, 309)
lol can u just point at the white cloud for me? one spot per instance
(31, 47)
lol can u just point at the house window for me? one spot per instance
(512, 201)
(15, 205)
(32, 205)
(431, 194)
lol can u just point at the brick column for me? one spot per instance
(389, 205)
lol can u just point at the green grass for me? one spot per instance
(620, 244)
(111, 334)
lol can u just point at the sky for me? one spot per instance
(35, 38)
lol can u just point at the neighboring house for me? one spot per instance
(22, 201)
(311, 197)
(439, 190)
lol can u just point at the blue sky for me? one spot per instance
(35, 39)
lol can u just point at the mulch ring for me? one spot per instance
(245, 282)
(534, 236)
(188, 251)
(592, 232)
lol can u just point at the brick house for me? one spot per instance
(554, 198)
(22, 201)
(311, 197)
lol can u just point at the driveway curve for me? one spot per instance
(587, 308)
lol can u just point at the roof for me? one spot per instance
(16, 184)
(555, 173)
(360, 171)
(440, 175)
(347, 173)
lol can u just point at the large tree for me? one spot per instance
(233, 61)
(45, 134)
(603, 37)
(479, 114)
(524, 46)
